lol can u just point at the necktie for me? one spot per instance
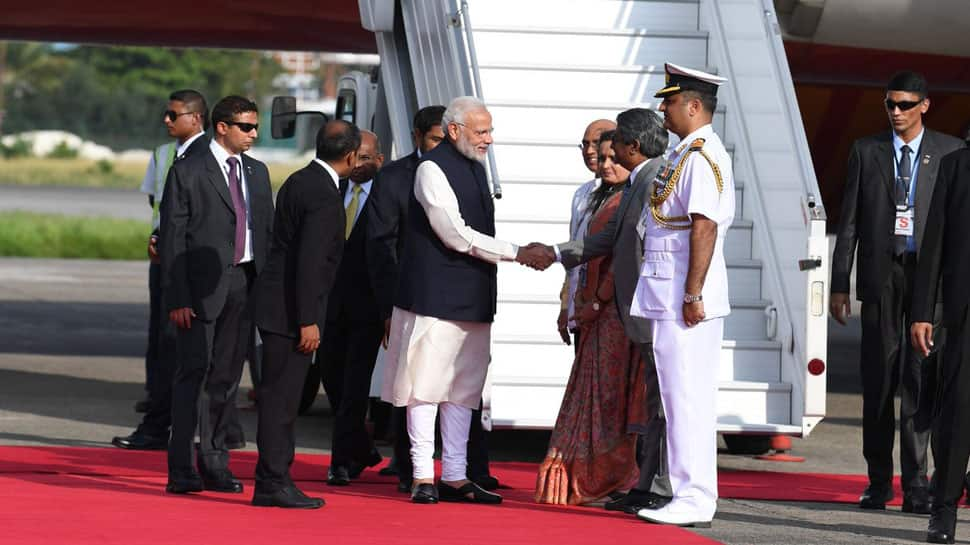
(904, 172)
(239, 207)
(352, 210)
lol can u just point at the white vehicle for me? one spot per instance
(545, 68)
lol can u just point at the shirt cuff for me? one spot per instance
(555, 247)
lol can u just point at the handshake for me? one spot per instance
(536, 255)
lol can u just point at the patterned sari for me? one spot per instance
(592, 451)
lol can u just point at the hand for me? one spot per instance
(839, 307)
(921, 334)
(694, 313)
(153, 249)
(563, 324)
(536, 255)
(387, 333)
(309, 338)
(182, 317)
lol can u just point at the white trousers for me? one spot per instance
(455, 423)
(687, 372)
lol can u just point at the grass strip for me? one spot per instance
(90, 173)
(29, 234)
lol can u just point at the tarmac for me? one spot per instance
(72, 341)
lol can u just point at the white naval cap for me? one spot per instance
(680, 79)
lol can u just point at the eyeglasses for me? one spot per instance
(172, 115)
(479, 133)
(244, 127)
(903, 105)
(586, 144)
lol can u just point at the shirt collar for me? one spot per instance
(419, 152)
(636, 170)
(914, 144)
(364, 187)
(330, 170)
(702, 132)
(221, 154)
(179, 151)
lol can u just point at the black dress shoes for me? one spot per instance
(485, 481)
(875, 497)
(424, 493)
(141, 441)
(222, 481)
(290, 497)
(637, 500)
(183, 483)
(355, 468)
(943, 525)
(338, 476)
(404, 486)
(917, 501)
(468, 492)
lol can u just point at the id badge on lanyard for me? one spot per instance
(904, 221)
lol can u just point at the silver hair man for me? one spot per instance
(469, 125)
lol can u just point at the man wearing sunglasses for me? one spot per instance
(890, 181)
(216, 218)
(186, 119)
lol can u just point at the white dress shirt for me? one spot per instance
(222, 156)
(361, 199)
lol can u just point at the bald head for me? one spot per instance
(591, 139)
(337, 144)
(369, 158)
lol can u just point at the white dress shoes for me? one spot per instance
(674, 517)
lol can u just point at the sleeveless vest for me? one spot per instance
(435, 280)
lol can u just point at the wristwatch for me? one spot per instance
(688, 298)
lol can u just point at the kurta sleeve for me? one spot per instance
(435, 195)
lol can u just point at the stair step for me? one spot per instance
(744, 278)
(564, 46)
(740, 403)
(534, 315)
(585, 13)
(737, 245)
(746, 360)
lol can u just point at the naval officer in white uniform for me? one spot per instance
(683, 288)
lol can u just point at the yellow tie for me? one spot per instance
(352, 211)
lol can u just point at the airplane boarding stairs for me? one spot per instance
(548, 67)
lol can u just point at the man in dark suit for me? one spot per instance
(354, 326)
(884, 211)
(290, 303)
(186, 120)
(215, 228)
(945, 255)
(639, 142)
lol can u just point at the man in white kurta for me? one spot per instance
(683, 288)
(433, 363)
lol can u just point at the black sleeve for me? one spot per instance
(383, 228)
(931, 250)
(175, 212)
(848, 235)
(318, 256)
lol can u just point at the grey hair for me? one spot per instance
(644, 127)
(459, 107)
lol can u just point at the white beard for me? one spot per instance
(468, 150)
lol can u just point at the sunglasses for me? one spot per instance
(244, 127)
(903, 105)
(171, 115)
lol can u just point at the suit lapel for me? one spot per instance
(636, 186)
(884, 159)
(218, 181)
(929, 162)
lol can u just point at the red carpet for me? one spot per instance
(81, 496)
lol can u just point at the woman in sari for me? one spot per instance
(592, 451)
